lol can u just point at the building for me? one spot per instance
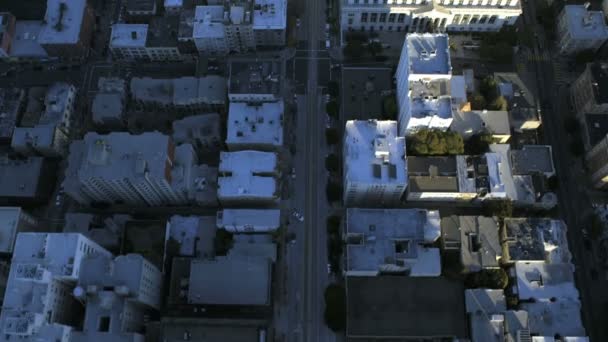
(597, 161)
(203, 132)
(190, 236)
(12, 102)
(556, 318)
(580, 29)
(191, 95)
(109, 104)
(249, 220)
(455, 178)
(588, 92)
(375, 171)
(429, 16)
(7, 33)
(474, 240)
(116, 169)
(25, 45)
(494, 122)
(364, 90)
(248, 177)
(524, 109)
(376, 307)
(26, 181)
(67, 29)
(38, 303)
(173, 7)
(269, 22)
(154, 42)
(199, 329)
(14, 220)
(535, 239)
(107, 231)
(141, 9)
(392, 241)
(423, 83)
(255, 81)
(118, 294)
(128, 41)
(255, 126)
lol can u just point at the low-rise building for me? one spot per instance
(535, 239)
(255, 81)
(203, 132)
(248, 177)
(12, 101)
(493, 122)
(538, 280)
(109, 104)
(523, 103)
(26, 181)
(14, 220)
(190, 236)
(269, 22)
(556, 318)
(580, 29)
(375, 171)
(255, 126)
(392, 241)
(67, 29)
(154, 42)
(474, 239)
(25, 45)
(249, 220)
(173, 7)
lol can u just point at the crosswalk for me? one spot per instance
(561, 73)
(544, 56)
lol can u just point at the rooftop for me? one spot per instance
(485, 300)
(248, 249)
(194, 234)
(11, 100)
(536, 239)
(41, 136)
(141, 5)
(219, 281)
(23, 178)
(533, 158)
(392, 241)
(474, 122)
(59, 98)
(129, 35)
(247, 173)
(63, 22)
(255, 77)
(561, 317)
(208, 22)
(538, 280)
(597, 127)
(109, 101)
(256, 124)
(376, 306)
(585, 24)
(599, 75)
(179, 91)
(374, 153)
(428, 54)
(25, 42)
(163, 31)
(249, 220)
(270, 15)
(364, 89)
(197, 127)
(430, 112)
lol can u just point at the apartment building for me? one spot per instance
(255, 81)
(67, 28)
(375, 171)
(424, 77)
(14, 220)
(580, 29)
(589, 92)
(269, 22)
(255, 126)
(249, 220)
(203, 132)
(428, 15)
(156, 41)
(141, 170)
(109, 103)
(248, 177)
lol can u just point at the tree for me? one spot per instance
(222, 242)
(489, 88)
(332, 163)
(435, 142)
(478, 143)
(332, 109)
(374, 48)
(584, 57)
(478, 102)
(354, 49)
(389, 107)
(333, 88)
(490, 279)
(499, 103)
(335, 307)
(500, 208)
(333, 225)
(331, 136)
(333, 191)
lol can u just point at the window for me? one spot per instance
(401, 18)
(374, 17)
(382, 17)
(363, 17)
(492, 19)
(474, 19)
(104, 324)
(483, 19)
(391, 18)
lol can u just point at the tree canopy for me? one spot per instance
(478, 143)
(335, 307)
(489, 279)
(435, 142)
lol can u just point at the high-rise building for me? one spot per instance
(580, 29)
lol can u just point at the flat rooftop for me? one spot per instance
(474, 122)
(23, 178)
(25, 43)
(270, 15)
(428, 53)
(180, 91)
(163, 31)
(257, 123)
(585, 24)
(532, 158)
(63, 22)
(248, 220)
(391, 241)
(538, 280)
(208, 22)
(540, 239)
(255, 77)
(194, 234)
(597, 127)
(401, 307)
(203, 127)
(432, 174)
(479, 240)
(423, 108)
(562, 317)
(129, 35)
(247, 173)
(374, 153)
(140, 5)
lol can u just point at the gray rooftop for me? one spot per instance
(481, 121)
(182, 91)
(255, 77)
(391, 241)
(25, 43)
(485, 300)
(479, 240)
(162, 32)
(24, 178)
(364, 90)
(204, 127)
(539, 239)
(585, 24)
(485, 308)
(538, 280)
(561, 317)
(141, 5)
(401, 307)
(531, 159)
(248, 249)
(193, 234)
(11, 99)
(432, 174)
(220, 281)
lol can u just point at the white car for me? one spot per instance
(298, 22)
(293, 173)
(58, 200)
(297, 215)
(328, 268)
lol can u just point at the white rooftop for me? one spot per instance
(258, 124)
(561, 317)
(208, 22)
(247, 174)
(430, 112)
(539, 280)
(390, 241)
(63, 22)
(174, 3)
(585, 24)
(270, 14)
(428, 54)
(129, 35)
(480, 121)
(249, 220)
(9, 224)
(374, 153)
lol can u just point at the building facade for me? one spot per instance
(67, 29)
(580, 29)
(589, 92)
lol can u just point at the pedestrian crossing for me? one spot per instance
(561, 73)
(544, 56)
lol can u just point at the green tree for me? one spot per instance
(491, 278)
(389, 107)
(499, 208)
(489, 88)
(478, 143)
(374, 48)
(333, 88)
(333, 191)
(354, 49)
(332, 109)
(478, 102)
(333, 225)
(332, 163)
(222, 242)
(435, 142)
(331, 136)
(499, 103)
(335, 307)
